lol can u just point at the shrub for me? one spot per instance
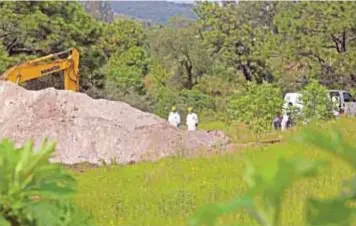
(34, 192)
(165, 99)
(317, 105)
(198, 100)
(256, 106)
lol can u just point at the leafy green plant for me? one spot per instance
(165, 99)
(35, 192)
(198, 100)
(266, 187)
(317, 105)
(256, 106)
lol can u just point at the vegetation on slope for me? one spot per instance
(100, 10)
(156, 12)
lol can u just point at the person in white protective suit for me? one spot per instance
(336, 106)
(192, 120)
(286, 119)
(174, 117)
(284, 122)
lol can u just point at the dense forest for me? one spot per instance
(208, 63)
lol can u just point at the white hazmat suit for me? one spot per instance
(192, 121)
(284, 122)
(174, 118)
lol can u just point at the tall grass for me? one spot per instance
(238, 132)
(167, 192)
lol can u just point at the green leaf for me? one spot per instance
(72, 215)
(333, 212)
(273, 180)
(288, 172)
(31, 186)
(4, 222)
(45, 214)
(331, 141)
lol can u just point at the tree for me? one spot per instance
(181, 51)
(235, 32)
(4, 59)
(321, 38)
(124, 43)
(127, 69)
(120, 35)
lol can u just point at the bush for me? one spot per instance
(316, 104)
(256, 106)
(165, 99)
(34, 192)
(198, 100)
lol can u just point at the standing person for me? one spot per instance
(286, 119)
(192, 120)
(277, 121)
(174, 117)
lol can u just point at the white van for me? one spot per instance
(347, 102)
(295, 99)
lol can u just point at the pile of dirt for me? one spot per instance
(93, 130)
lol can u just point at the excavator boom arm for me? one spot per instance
(36, 68)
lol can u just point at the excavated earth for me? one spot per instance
(94, 130)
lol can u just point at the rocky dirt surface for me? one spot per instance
(94, 130)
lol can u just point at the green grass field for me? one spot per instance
(167, 192)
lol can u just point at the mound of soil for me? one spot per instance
(94, 130)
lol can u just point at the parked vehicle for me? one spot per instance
(295, 99)
(347, 103)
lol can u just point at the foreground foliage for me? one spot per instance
(34, 192)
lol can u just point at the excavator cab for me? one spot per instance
(46, 65)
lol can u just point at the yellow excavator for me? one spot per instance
(47, 65)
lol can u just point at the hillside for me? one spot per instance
(100, 10)
(153, 11)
